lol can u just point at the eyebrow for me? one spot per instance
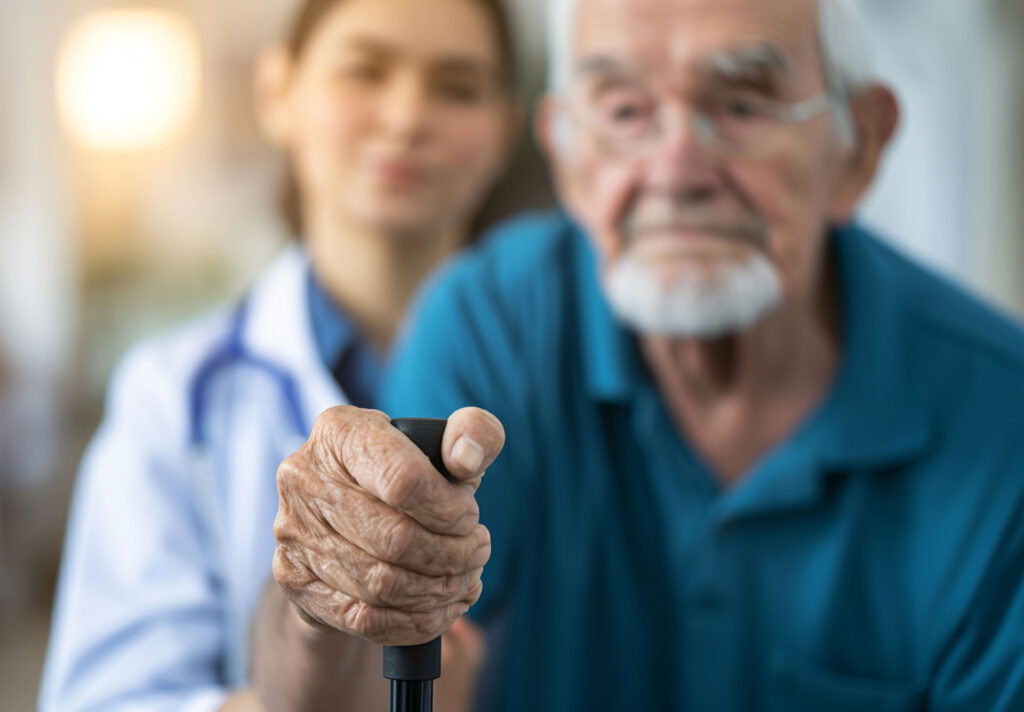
(756, 65)
(597, 65)
(449, 63)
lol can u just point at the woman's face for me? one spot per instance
(395, 115)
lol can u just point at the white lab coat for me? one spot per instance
(170, 539)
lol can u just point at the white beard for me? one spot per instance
(700, 305)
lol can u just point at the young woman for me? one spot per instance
(396, 116)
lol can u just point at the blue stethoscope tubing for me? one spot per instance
(232, 352)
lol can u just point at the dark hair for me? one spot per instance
(308, 18)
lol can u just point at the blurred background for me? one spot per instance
(135, 191)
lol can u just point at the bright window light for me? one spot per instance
(127, 79)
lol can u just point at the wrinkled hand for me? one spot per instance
(371, 539)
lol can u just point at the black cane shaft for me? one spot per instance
(412, 695)
(412, 669)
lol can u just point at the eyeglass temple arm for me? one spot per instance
(807, 109)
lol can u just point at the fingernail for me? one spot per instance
(468, 453)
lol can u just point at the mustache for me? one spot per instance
(680, 215)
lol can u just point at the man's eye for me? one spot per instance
(740, 108)
(626, 113)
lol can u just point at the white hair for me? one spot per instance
(700, 306)
(845, 54)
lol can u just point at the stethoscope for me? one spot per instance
(233, 352)
(230, 353)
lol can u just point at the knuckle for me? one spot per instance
(287, 473)
(333, 421)
(382, 582)
(286, 573)
(352, 430)
(455, 585)
(459, 510)
(281, 527)
(363, 619)
(296, 478)
(396, 480)
(483, 536)
(332, 433)
(474, 592)
(284, 528)
(279, 568)
(397, 535)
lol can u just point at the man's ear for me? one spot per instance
(876, 114)
(271, 84)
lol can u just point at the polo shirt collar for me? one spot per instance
(876, 412)
(611, 361)
(877, 409)
(876, 415)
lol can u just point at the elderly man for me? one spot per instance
(755, 460)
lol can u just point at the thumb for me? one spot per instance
(472, 440)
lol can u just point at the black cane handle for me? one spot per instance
(412, 669)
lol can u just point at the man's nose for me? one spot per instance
(403, 108)
(682, 162)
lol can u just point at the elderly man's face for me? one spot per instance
(679, 203)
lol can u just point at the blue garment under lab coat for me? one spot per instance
(873, 561)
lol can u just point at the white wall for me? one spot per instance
(948, 192)
(37, 303)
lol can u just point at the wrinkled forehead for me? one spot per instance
(682, 35)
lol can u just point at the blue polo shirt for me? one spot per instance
(872, 561)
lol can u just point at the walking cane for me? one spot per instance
(412, 669)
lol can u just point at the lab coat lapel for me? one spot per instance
(279, 331)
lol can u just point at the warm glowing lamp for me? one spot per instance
(128, 79)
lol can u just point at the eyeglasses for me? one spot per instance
(629, 120)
